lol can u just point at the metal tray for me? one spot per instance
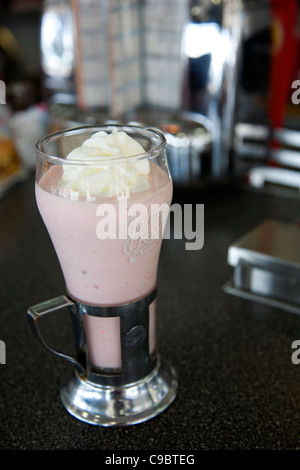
(266, 264)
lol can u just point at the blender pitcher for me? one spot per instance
(87, 205)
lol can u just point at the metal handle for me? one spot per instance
(36, 311)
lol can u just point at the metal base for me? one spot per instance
(229, 288)
(124, 405)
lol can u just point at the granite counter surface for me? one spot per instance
(238, 387)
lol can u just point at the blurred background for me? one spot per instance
(221, 79)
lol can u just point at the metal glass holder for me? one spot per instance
(140, 389)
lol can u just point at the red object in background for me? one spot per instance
(284, 58)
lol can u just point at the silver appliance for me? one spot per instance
(156, 58)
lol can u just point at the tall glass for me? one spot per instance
(108, 243)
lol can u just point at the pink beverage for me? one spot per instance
(103, 272)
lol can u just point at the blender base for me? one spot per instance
(124, 405)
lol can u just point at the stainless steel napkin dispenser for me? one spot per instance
(266, 264)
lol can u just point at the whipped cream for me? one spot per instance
(105, 177)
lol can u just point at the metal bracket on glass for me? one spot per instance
(137, 362)
(44, 308)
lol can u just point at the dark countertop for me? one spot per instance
(238, 388)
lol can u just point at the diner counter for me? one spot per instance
(238, 387)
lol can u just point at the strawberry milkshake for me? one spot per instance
(85, 202)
